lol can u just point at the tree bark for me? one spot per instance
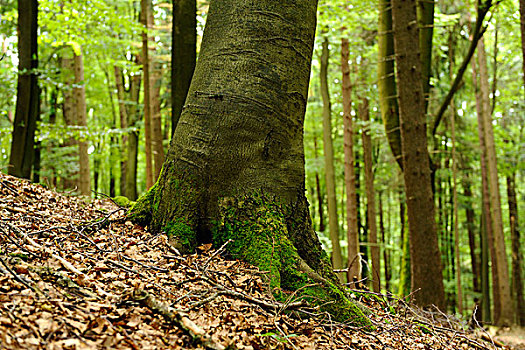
(27, 94)
(517, 255)
(144, 12)
(425, 15)
(502, 270)
(486, 231)
(333, 220)
(470, 215)
(424, 251)
(364, 113)
(183, 54)
(385, 242)
(79, 92)
(123, 118)
(352, 234)
(156, 120)
(386, 84)
(235, 167)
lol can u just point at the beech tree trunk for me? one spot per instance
(235, 168)
(424, 251)
(352, 234)
(156, 120)
(183, 54)
(375, 274)
(504, 317)
(27, 93)
(333, 220)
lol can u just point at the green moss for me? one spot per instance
(181, 235)
(141, 212)
(123, 202)
(257, 228)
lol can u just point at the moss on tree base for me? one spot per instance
(258, 233)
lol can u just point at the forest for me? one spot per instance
(334, 144)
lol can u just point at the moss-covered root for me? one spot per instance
(142, 210)
(257, 228)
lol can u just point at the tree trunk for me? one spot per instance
(352, 234)
(123, 118)
(486, 232)
(364, 113)
(517, 254)
(144, 13)
(504, 317)
(386, 84)
(235, 167)
(424, 251)
(333, 220)
(69, 176)
(320, 196)
(522, 28)
(156, 120)
(385, 242)
(470, 215)
(79, 92)
(425, 15)
(183, 54)
(27, 93)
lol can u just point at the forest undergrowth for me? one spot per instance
(79, 275)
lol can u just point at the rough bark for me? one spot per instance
(364, 113)
(386, 83)
(517, 254)
(502, 270)
(333, 220)
(352, 234)
(145, 20)
(235, 167)
(424, 251)
(79, 92)
(27, 94)
(183, 54)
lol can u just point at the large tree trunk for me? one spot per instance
(333, 220)
(354, 260)
(79, 92)
(504, 317)
(27, 93)
(183, 54)
(375, 271)
(424, 251)
(235, 167)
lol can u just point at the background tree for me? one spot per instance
(424, 251)
(28, 95)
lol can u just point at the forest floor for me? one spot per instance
(78, 275)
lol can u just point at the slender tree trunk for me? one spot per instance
(470, 215)
(455, 215)
(354, 265)
(144, 9)
(424, 251)
(522, 28)
(69, 177)
(156, 121)
(28, 94)
(333, 220)
(517, 253)
(505, 313)
(123, 118)
(133, 138)
(387, 80)
(364, 113)
(79, 91)
(385, 242)
(486, 232)
(183, 54)
(320, 196)
(425, 15)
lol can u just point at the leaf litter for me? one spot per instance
(79, 275)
